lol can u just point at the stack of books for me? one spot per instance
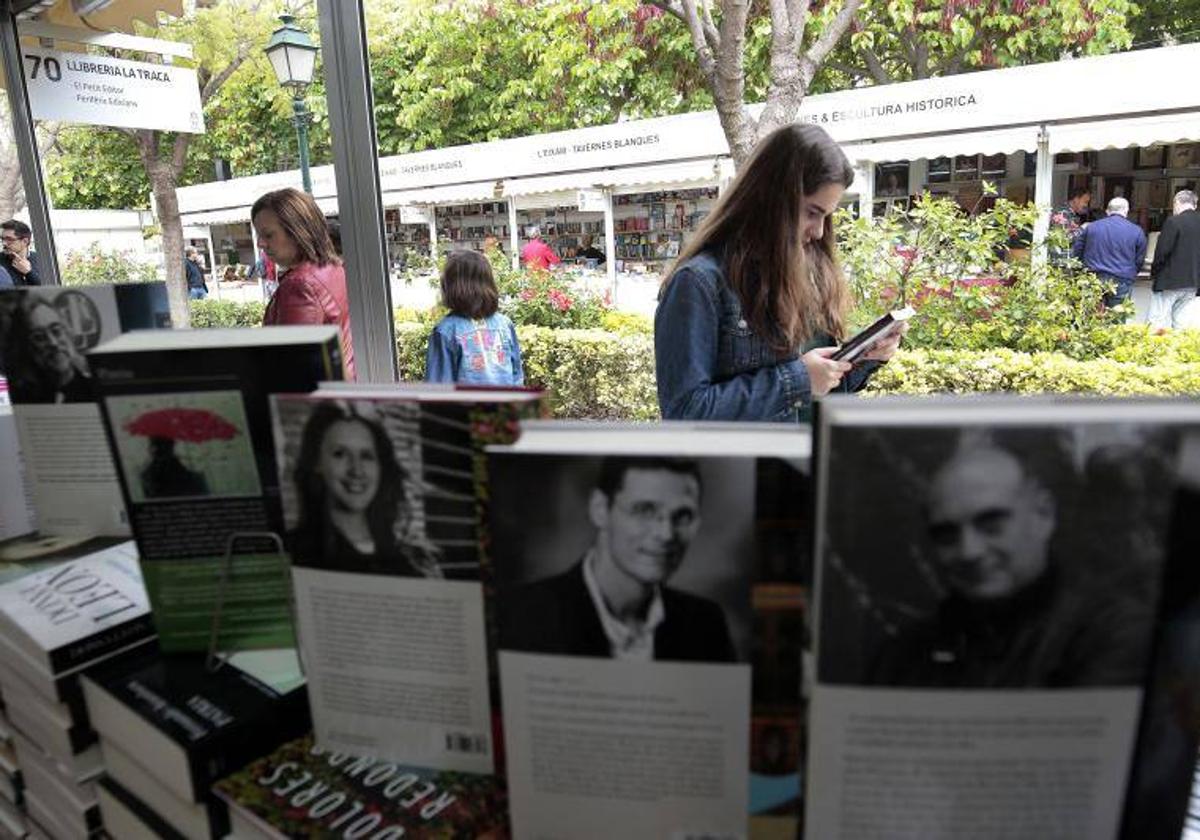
(172, 725)
(12, 819)
(54, 623)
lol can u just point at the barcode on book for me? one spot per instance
(466, 742)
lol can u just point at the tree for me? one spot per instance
(901, 40)
(222, 35)
(1161, 22)
(12, 188)
(474, 70)
(796, 52)
(95, 168)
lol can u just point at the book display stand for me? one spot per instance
(215, 657)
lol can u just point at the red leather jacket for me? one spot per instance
(313, 294)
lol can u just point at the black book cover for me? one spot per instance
(221, 719)
(190, 432)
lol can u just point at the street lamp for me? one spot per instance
(293, 56)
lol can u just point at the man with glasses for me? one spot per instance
(16, 258)
(615, 602)
(43, 363)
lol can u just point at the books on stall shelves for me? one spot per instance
(636, 700)
(303, 791)
(188, 424)
(381, 492)
(1011, 640)
(169, 726)
(45, 334)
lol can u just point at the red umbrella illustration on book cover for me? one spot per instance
(165, 474)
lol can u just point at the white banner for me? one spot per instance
(98, 90)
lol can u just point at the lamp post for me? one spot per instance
(293, 56)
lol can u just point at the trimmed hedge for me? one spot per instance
(590, 374)
(598, 375)
(210, 312)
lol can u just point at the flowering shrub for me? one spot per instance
(95, 265)
(951, 268)
(547, 299)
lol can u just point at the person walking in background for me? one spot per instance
(537, 255)
(1176, 269)
(1114, 249)
(475, 344)
(197, 288)
(17, 259)
(749, 312)
(312, 282)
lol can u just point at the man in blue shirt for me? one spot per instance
(1114, 249)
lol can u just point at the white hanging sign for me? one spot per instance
(591, 201)
(99, 90)
(411, 215)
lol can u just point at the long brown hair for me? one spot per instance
(303, 221)
(788, 292)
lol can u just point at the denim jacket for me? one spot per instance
(712, 366)
(483, 351)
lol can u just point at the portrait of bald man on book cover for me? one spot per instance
(631, 558)
(1004, 558)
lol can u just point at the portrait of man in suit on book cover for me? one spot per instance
(619, 595)
(1042, 568)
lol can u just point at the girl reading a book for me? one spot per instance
(753, 308)
(354, 505)
(475, 344)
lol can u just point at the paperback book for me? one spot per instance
(640, 612)
(381, 492)
(45, 335)
(1011, 641)
(301, 790)
(189, 428)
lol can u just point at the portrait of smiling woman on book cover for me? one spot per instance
(352, 496)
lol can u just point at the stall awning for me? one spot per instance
(705, 172)
(554, 183)
(991, 142)
(225, 216)
(1121, 134)
(449, 194)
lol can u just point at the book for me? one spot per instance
(63, 804)
(300, 790)
(381, 490)
(188, 424)
(186, 725)
(45, 334)
(1007, 639)
(866, 338)
(153, 800)
(60, 619)
(16, 500)
(637, 700)
(127, 817)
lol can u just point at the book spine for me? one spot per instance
(100, 644)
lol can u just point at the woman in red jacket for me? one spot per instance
(312, 283)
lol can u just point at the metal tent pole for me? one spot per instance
(27, 150)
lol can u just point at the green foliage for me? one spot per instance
(916, 39)
(96, 265)
(549, 299)
(1159, 22)
(226, 313)
(949, 266)
(589, 373)
(448, 74)
(626, 323)
(96, 168)
(962, 372)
